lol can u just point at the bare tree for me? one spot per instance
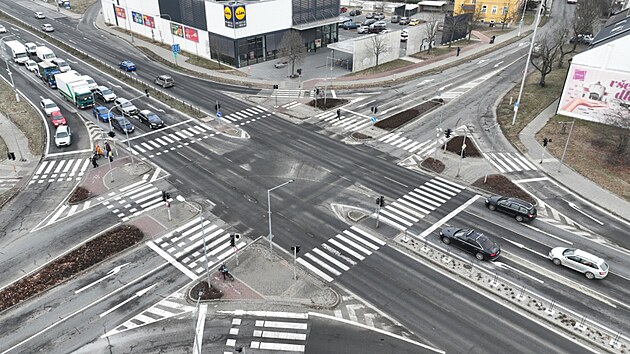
(475, 20)
(454, 24)
(587, 13)
(378, 45)
(507, 14)
(431, 27)
(621, 136)
(293, 48)
(563, 35)
(545, 53)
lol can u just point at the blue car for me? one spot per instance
(102, 113)
(127, 65)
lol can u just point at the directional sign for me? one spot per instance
(175, 48)
(219, 114)
(515, 106)
(373, 119)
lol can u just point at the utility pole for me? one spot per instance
(380, 202)
(566, 145)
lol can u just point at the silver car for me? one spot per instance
(590, 265)
(125, 107)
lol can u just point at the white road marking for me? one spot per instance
(498, 64)
(572, 205)
(155, 108)
(433, 227)
(506, 266)
(548, 234)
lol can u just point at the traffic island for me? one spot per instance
(501, 185)
(433, 165)
(72, 263)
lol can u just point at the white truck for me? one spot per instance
(17, 51)
(74, 89)
(44, 53)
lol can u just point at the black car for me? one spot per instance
(471, 241)
(355, 13)
(151, 119)
(122, 123)
(349, 25)
(520, 209)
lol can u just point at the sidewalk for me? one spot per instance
(16, 142)
(565, 175)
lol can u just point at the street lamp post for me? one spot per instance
(172, 35)
(269, 213)
(566, 145)
(109, 120)
(203, 235)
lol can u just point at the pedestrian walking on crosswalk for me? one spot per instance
(94, 163)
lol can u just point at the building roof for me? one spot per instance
(432, 3)
(309, 25)
(617, 25)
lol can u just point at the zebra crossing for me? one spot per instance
(133, 202)
(415, 205)
(507, 162)
(340, 253)
(95, 131)
(183, 247)
(422, 149)
(350, 122)
(173, 305)
(267, 330)
(291, 93)
(247, 115)
(8, 182)
(291, 105)
(460, 90)
(60, 170)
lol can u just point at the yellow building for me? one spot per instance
(492, 12)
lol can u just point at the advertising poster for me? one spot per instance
(228, 16)
(191, 34)
(177, 30)
(120, 12)
(240, 16)
(149, 21)
(137, 17)
(595, 94)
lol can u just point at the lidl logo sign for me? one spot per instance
(235, 16)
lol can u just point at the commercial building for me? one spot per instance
(235, 33)
(597, 87)
(492, 12)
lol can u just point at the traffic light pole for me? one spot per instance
(378, 209)
(294, 263)
(566, 145)
(269, 214)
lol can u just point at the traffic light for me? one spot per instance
(546, 141)
(381, 201)
(299, 71)
(316, 91)
(111, 134)
(296, 249)
(168, 195)
(217, 107)
(463, 153)
(275, 87)
(164, 198)
(146, 91)
(374, 109)
(232, 240)
(11, 155)
(448, 133)
(338, 114)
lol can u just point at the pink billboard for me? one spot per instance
(595, 94)
(191, 34)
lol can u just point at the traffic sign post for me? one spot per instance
(374, 119)
(219, 114)
(176, 49)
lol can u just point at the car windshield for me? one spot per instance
(50, 105)
(106, 92)
(568, 252)
(90, 81)
(125, 122)
(126, 104)
(62, 135)
(153, 117)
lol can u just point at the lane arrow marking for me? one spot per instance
(109, 274)
(138, 294)
(577, 208)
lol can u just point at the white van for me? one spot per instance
(45, 53)
(61, 64)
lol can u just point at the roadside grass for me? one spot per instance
(29, 122)
(80, 6)
(394, 64)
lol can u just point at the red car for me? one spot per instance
(57, 118)
(343, 9)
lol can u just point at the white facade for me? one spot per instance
(364, 57)
(261, 17)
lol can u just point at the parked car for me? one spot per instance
(47, 27)
(378, 27)
(379, 16)
(127, 65)
(369, 15)
(349, 25)
(102, 113)
(281, 64)
(90, 81)
(471, 241)
(414, 22)
(369, 22)
(590, 265)
(105, 94)
(395, 19)
(125, 107)
(48, 106)
(520, 209)
(3, 29)
(355, 12)
(63, 136)
(31, 65)
(57, 118)
(363, 30)
(343, 10)
(404, 21)
(164, 81)
(343, 19)
(404, 34)
(40, 15)
(123, 124)
(151, 119)
(387, 30)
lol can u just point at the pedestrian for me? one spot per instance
(107, 147)
(99, 152)
(223, 269)
(492, 39)
(458, 50)
(94, 163)
(111, 156)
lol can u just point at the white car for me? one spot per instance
(3, 29)
(31, 65)
(62, 65)
(63, 137)
(105, 93)
(363, 29)
(31, 48)
(404, 34)
(48, 106)
(590, 265)
(125, 107)
(47, 27)
(90, 81)
(40, 15)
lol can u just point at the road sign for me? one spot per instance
(219, 114)
(175, 48)
(464, 147)
(373, 119)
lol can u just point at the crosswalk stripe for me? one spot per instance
(432, 193)
(323, 264)
(174, 136)
(391, 138)
(168, 139)
(408, 210)
(205, 226)
(449, 182)
(395, 217)
(411, 145)
(446, 185)
(491, 160)
(358, 125)
(280, 346)
(392, 222)
(422, 200)
(371, 237)
(398, 141)
(315, 270)
(348, 250)
(386, 136)
(280, 335)
(331, 259)
(281, 324)
(354, 244)
(365, 242)
(406, 142)
(147, 146)
(162, 142)
(437, 187)
(414, 206)
(509, 161)
(419, 146)
(526, 161)
(156, 145)
(514, 160)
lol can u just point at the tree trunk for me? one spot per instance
(377, 60)
(542, 80)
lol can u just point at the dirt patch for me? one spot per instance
(65, 267)
(501, 185)
(455, 146)
(78, 195)
(328, 104)
(203, 292)
(360, 136)
(433, 165)
(404, 117)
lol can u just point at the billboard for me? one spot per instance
(235, 16)
(595, 94)
(149, 21)
(120, 12)
(177, 29)
(137, 17)
(191, 34)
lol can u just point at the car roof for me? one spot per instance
(145, 111)
(166, 76)
(589, 256)
(100, 108)
(62, 128)
(47, 101)
(102, 87)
